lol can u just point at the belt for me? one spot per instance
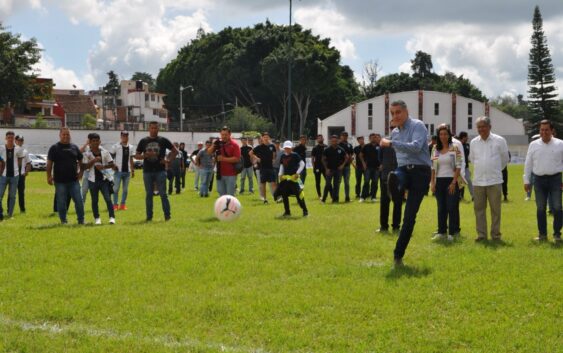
(416, 166)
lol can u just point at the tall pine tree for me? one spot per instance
(542, 95)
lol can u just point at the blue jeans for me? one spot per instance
(448, 206)
(545, 187)
(205, 179)
(416, 180)
(95, 188)
(118, 178)
(226, 185)
(63, 191)
(371, 179)
(346, 177)
(247, 173)
(12, 184)
(158, 178)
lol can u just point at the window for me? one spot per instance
(155, 112)
(469, 122)
(370, 109)
(152, 97)
(370, 122)
(146, 97)
(430, 128)
(469, 108)
(158, 99)
(436, 108)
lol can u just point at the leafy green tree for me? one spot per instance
(243, 119)
(515, 107)
(368, 87)
(542, 95)
(145, 77)
(40, 122)
(88, 121)
(113, 83)
(249, 66)
(17, 58)
(421, 65)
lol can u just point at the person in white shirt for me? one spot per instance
(124, 169)
(25, 167)
(98, 161)
(545, 161)
(12, 156)
(489, 155)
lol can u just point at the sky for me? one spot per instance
(486, 41)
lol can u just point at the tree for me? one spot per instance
(88, 121)
(145, 77)
(369, 79)
(542, 96)
(243, 119)
(113, 83)
(17, 58)
(39, 122)
(421, 65)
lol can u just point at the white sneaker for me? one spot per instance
(97, 221)
(438, 236)
(450, 238)
(373, 199)
(111, 220)
(361, 200)
(527, 199)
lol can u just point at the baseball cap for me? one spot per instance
(288, 144)
(124, 132)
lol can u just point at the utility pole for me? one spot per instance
(289, 67)
(181, 109)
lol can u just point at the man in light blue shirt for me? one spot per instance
(409, 139)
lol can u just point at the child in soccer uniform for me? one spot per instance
(290, 184)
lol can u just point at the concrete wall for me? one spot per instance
(39, 140)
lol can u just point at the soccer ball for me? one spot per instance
(227, 208)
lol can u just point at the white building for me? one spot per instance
(433, 108)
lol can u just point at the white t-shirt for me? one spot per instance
(445, 162)
(88, 156)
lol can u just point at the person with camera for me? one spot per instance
(152, 150)
(227, 155)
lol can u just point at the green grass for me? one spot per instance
(264, 284)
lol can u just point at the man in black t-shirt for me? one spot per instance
(186, 161)
(318, 167)
(370, 160)
(357, 163)
(265, 153)
(64, 169)
(152, 150)
(301, 150)
(247, 169)
(291, 165)
(347, 147)
(334, 161)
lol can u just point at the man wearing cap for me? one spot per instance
(409, 139)
(24, 170)
(247, 170)
(265, 154)
(124, 169)
(152, 150)
(334, 161)
(196, 168)
(347, 147)
(291, 165)
(13, 155)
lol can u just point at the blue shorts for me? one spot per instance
(267, 175)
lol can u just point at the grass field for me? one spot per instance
(264, 284)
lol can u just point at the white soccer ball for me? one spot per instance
(227, 208)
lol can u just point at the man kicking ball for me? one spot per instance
(291, 166)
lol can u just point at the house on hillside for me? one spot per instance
(433, 108)
(71, 106)
(39, 106)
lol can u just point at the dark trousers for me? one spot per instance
(95, 188)
(359, 176)
(384, 209)
(371, 177)
(21, 192)
(548, 187)
(303, 175)
(318, 174)
(332, 185)
(174, 173)
(287, 188)
(183, 178)
(448, 204)
(345, 174)
(416, 180)
(505, 182)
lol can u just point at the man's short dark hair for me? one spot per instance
(333, 136)
(10, 133)
(226, 128)
(360, 137)
(320, 135)
(399, 102)
(93, 136)
(302, 137)
(462, 134)
(153, 123)
(344, 133)
(266, 133)
(547, 122)
(243, 139)
(372, 134)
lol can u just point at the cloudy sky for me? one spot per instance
(486, 41)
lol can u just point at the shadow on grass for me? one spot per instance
(407, 271)
(495, 244)
(547, 244)
(209, 220)
(59, 225)
(289, 218)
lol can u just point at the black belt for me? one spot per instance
(416, 166)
